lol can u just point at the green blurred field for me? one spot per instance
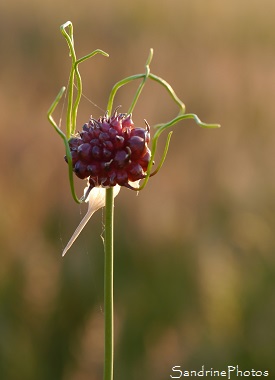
(195, 251)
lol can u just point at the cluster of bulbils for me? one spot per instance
(111, 151)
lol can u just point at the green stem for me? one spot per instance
(142, 84)
(108, 286)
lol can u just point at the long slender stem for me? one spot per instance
(108, 286)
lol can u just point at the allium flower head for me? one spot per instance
(111, 151)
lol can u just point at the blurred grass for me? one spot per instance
(194, 265)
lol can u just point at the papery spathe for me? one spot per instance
(96, 200)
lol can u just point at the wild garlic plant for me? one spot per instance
(110, 153)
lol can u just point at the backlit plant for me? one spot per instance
(108, 153)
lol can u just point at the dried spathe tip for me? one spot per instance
(96, 200)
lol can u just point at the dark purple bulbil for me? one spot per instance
(111, 151)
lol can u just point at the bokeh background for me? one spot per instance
(195, 251)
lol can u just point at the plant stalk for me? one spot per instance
(108, 286)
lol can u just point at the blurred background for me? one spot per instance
(195, 251)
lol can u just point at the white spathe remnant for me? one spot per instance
(96, 200)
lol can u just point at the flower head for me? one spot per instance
(110, 151)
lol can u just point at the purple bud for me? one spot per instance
(85, 151)
(128, 122)
(103, 136)
(121, 158)
(137, 146)
(118, 142)
(94, 169)
(112, 133)
(109, 145)
(122, 177)
(85, 127)
(74, 143)
(135, 172)
(105, 126)
(85, 136)
(80, 170)
(145, 159)
(106, 154)
(116, 124)
(96, 152)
